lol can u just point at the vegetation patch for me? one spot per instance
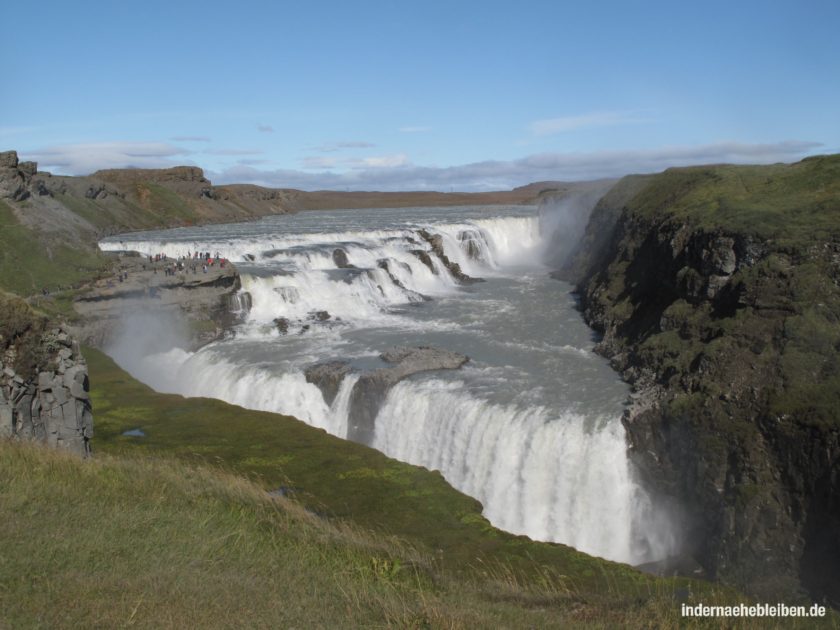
(158, 542)
(341, 481)
(22, 330)
(785, 203)
(28, 264)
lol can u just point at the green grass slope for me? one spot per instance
(333, 477)
(790, 204)
(156, 543)
(153, 543)
(29, 263)
(346, 482)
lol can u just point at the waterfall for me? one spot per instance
(555, 477)
(549, 468)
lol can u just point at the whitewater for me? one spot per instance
(530, 426)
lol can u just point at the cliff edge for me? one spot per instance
(717, 292)
(43, 381)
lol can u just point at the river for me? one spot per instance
(530, 426)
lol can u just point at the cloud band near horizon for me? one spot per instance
(392, 174)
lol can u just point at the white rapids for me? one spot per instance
(530, 427)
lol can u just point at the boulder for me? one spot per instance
(319, 316)
(409, 360)
(28, 169)
(339, 257)
(12, 184)
(327, 377)
(8, 159)
(282, 324)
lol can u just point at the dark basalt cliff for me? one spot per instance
(716, 291)
(43, 381)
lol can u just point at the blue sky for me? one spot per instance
(421, 95)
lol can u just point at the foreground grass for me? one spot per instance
(148, 542)
(458, 558)
(151, 543)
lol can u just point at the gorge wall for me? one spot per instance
(716, 291)
(43, 381)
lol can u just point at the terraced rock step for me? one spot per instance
(372, 386)
(204, 297)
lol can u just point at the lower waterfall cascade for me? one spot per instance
(530, 426)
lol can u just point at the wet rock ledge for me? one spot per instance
(204, 295)
(373, 385)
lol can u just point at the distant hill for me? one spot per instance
(51, 223)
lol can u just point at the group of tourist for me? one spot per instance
(207, 259)
(180, 264)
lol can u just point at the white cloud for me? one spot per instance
(399, 174)
(233, 152)
(190, 138)
(319, 162)
(396, 172)
(382, 161)
(265, 128)
(337, 146)
(81, 159)
(562, 124)
(250, 162)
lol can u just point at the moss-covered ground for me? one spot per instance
(28, 264)
(345, 482)
(790, 204)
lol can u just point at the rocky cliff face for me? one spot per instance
(204, 301)
(16, 178)
(730, 337)
(109, 201)
(43, 382)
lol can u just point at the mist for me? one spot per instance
(144, 343)
(563, 220)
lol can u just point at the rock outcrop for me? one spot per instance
(16, 177)
(328, 376)
(43, 382)
(370, 390)
(339, 257)
(207, 300)
(436, 243)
